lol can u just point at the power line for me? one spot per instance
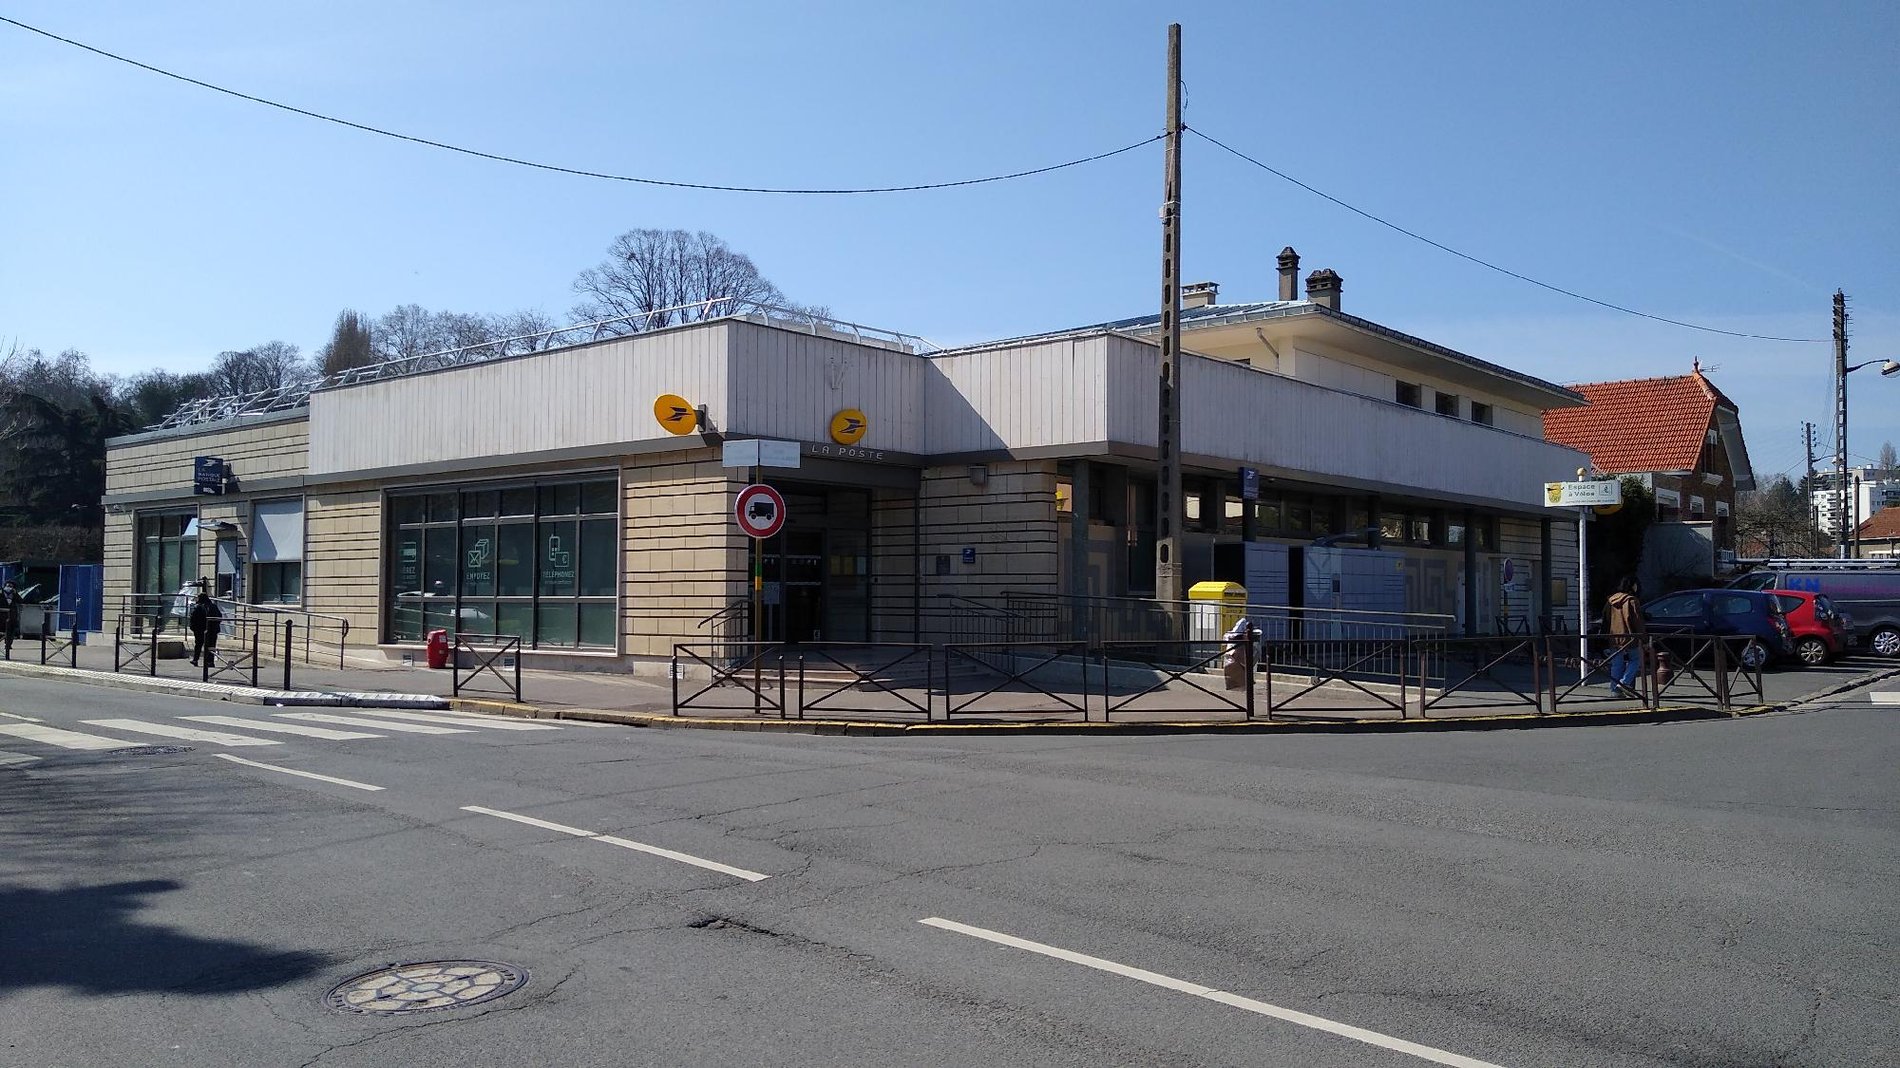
(498, 158)
(1492, 266)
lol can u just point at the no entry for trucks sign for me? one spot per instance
(760, 511)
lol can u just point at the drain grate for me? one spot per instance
(426, 986)
(149, 750)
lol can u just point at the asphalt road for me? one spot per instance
(1712, 893)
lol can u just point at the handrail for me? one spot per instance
(743, 602)
(971, 603)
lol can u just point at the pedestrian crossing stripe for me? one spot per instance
(35, 732)
(461, 721)
(361, 724)
(302, 730)
(1885, 697)
(358, 721)
(189, 734)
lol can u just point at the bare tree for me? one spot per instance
(405, 331)
(261, 367)
(526, 330)
(649, 270)
(1774, 521)
(351, 344)
(1889, 461)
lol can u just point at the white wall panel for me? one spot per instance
(1249, 417)
(1018, 398)
(601, 394)
(788, 384)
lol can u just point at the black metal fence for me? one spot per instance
(496, 656)
(1413, 677)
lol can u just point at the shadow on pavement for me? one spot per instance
(87, 939)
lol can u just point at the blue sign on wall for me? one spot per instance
(208, 475)
(1249, 484)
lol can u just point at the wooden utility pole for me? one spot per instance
(1840, 422)
(1168, 437)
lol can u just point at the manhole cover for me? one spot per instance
(426, 987)
(149, 750)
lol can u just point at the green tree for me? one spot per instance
(1774, 520)
(1616, 541)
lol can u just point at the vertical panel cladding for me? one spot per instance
(1563, 566)
(1249, 416)
(1520, 541)
(1049, 393)
(1134, 375)
(787, 384)
(1010, 522)
(343, 559)
(576, 397)
(683, 559)
(258, 449)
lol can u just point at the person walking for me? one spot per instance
(1623, 614)
(9, 615)
(205, 619)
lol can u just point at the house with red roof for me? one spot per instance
(1680, 434)
(1879, 537)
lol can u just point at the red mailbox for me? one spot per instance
(438, 648)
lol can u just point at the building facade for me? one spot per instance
(544, 496)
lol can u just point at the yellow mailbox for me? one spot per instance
(1214, 608)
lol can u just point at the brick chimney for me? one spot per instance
(1289, 274)
(1199, 294)
(1322, 287)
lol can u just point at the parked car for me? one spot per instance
(1819, 628)
(1723, 612)
(1868, 593)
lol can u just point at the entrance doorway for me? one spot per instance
(817, 570)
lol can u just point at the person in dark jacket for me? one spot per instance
(9, 615)
(205, 619)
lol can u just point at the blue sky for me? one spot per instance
(1727, 164)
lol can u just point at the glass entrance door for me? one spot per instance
(816, 571)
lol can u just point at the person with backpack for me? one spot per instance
(1623, 618)
(205, 619)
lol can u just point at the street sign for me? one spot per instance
(760, 511)
(208, 475)
(1249, 484)
(674, 414)
(1582, 494)
(757, 452)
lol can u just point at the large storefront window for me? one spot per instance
(167, 552)
(534, 561)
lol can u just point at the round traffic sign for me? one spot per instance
(760, 511)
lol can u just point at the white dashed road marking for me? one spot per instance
(1885, 697)
(623, 843)
(353, 784)
(23, 719)
(1293, 1016)
(7, 759)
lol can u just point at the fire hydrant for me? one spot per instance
(438, 648)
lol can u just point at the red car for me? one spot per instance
(1819, 629)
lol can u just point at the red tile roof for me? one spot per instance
(1882, 524)
(1642, 424)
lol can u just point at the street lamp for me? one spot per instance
(1842, 370)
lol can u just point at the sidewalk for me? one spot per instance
(831, 708)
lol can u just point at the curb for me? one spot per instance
(863, 729)
(216, 691)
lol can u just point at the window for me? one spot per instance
(167, 552)
(1695, 508)
(1733, 604)
(1409, 395)
(1681, 606)
(537, 562)
(1448, 404)
(1481, 413)
(277, 552)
